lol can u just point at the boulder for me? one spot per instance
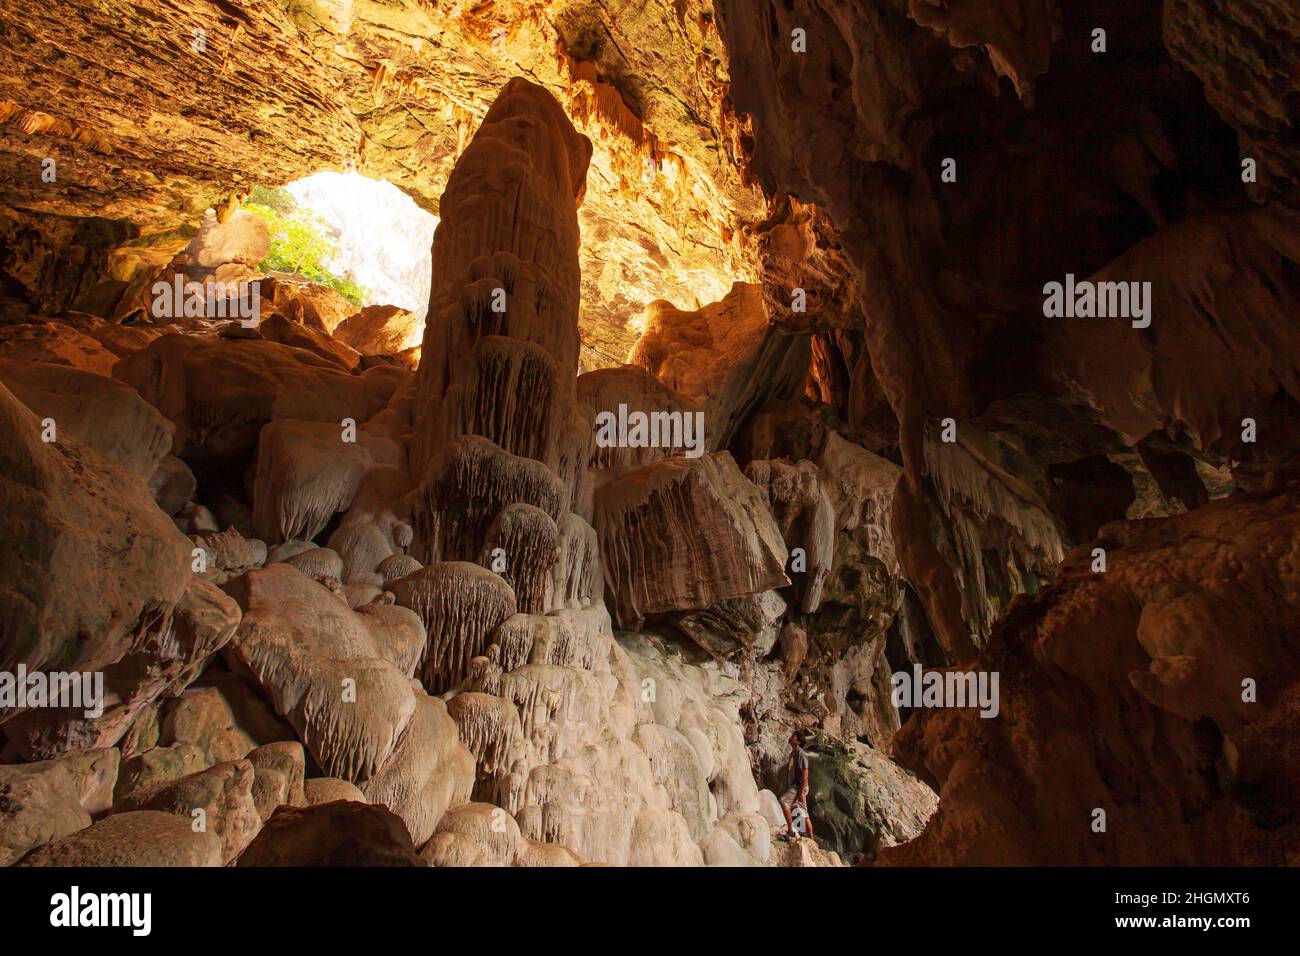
(341, 678)
(651, 519)
(307, 472)
(341, 833)
(139, 838)
(329, 789)
(224, 795)
(220, 392)
(88, 552)
(380, 330)
(50, 799)
(100, 412)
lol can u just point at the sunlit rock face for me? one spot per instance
(394, 92)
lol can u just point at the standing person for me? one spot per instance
(797, 795)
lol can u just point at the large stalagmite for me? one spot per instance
(503, 311)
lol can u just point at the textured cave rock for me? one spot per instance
(50, 799)
(336, 833)
(308, 304)
(725, 357)
(651, 521)
(806, 517)
(1134, 674)
(466, 487)
(139, 838)
(656, 156)
(276, 328)
(949, 273)
(605, 390)
(371, 538)
(342, 679)
(379, 330)
(97, 411)
(1223, 285)
(862, 801)
(225, 795)
(505, 262)
(397, 92)
(460, 604)
(477, 834)
(278, 776)
(88, 553)
(220, 392)
(528, 541)
(307, 472)
(168, 660)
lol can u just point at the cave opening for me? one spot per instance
(363, 236)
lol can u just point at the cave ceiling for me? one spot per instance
(155, 112)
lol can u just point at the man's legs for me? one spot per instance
(787, 802)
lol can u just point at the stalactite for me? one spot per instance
(460, 604)
(466, 488)
(804, 513)
(578, 580)
(684, 533)
(525, 539)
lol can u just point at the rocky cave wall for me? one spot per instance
(321, 562)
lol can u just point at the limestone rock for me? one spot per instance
(172, 484)
(861, 802)
(341, 678)
(220, 392)
(527, 161)
(50, 799)
(1188, 608)
(468, 485)
(276, 328)
(307, 472)
(224, 794)
(101, 413)
(306, 303)
(139, 838)
(477, 834)
(89, 553)
(319, 790)
(605, 390)
(379, 330)
(651, 519)
(461, 604)
(241, 238)
(279, 769)
(525, 542)
(340, 833)
(167, 660)
(806, 517)
(723, 357)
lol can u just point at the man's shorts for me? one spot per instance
(791, 797)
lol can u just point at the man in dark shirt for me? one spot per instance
(797, 795)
